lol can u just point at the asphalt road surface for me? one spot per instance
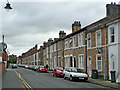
(25, 78)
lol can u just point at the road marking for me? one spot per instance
(23, 81)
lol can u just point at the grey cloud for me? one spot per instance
(28, 21)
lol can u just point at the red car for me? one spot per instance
(58, 71)
(42, 69)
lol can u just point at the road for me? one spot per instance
(25, 78)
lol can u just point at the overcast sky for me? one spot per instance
(30, 23)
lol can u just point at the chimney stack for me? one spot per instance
(76, 26)
(55, 39)
(62, 34)
(113, 10)
(50, 40)
(41, 47)
(45, 43)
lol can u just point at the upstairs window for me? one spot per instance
(89, 40)
(71, 42)
(74, 41)
(55, 47)
(98, 38)
(80, 39)
(66, 44)
(112, 34)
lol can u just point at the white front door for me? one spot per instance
(90, 69)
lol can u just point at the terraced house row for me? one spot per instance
(94, 47)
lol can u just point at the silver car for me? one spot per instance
(73, 74)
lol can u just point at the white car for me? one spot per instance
(73, 74)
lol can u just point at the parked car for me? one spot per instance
(73, 74)
(14, 66)
(35, 67)
(26, 66)
(58, 71)
(42, 69)
(30, 67)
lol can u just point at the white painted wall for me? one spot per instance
(118, 80)
(0, 59)
(114, 50)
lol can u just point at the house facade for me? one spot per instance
(114, 48)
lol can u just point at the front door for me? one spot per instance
(70, 61)
(74, 62)
(90, 69)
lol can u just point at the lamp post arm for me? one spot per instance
(7, 1)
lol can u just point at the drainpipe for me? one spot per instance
(86, 51)
(49, 56)
(63, 51)
(105, 57)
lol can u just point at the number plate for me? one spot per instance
(81, 78)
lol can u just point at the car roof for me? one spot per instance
(60, 66)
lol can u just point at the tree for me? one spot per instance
(12, 59)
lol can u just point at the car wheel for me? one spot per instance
(71, 78)
(85, 79)
(64, 76)
(52, 74)
(55, 75)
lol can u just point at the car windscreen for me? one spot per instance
(80, 70)
(73, 70)
(42, 66)
(59, 68)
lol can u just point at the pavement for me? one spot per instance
(106, 83)
(102, 82)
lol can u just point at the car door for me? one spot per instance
(67, 72)
(54, 71)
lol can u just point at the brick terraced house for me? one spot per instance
(81, 47)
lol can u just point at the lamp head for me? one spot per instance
(8, 7)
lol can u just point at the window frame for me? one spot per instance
(99, 61)
(66, 61)
(112, 34)
(99, 31)
(66, 43)
(71, 42)
(74, 41)
(80, 39)
(81, 61)
(54, 46)
(88, 40)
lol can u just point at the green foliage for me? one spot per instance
(12, 59)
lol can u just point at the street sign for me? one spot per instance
(100, 50)
(3, 46)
